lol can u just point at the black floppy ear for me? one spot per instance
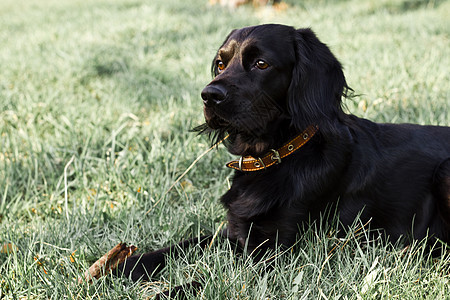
(317, 85)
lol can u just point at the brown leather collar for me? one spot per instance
(249, 163)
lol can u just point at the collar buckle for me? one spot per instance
(275, 156)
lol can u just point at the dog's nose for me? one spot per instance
(212, 94)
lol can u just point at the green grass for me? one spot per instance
(115, 85)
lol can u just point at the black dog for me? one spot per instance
(277, 93)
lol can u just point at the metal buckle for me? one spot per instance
(240, 163)
(275, 156)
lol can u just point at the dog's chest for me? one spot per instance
(262, 212)
(271, 206)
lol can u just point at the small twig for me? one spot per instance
(355, 233)
(65, 186)
(54, 246)
(256, 248)
(322, 267)
(278, 254)
(185, 172)
(215, 234)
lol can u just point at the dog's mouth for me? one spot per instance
(215, 126)
(214, 120)
(248, 134)
(239, 142)
(217, 122)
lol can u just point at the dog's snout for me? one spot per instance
(213, 94)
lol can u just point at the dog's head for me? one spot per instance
(271, 81)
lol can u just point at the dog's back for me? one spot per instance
(399, 176)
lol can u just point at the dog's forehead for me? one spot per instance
(274, 38)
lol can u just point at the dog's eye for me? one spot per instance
(260, 64)
(220, 65)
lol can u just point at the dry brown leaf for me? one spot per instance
(8, 248)
(108, 262)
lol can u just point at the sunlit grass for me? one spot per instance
(115, 85)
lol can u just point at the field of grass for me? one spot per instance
(96, 101)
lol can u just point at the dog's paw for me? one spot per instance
(132, 268)
(141, 267)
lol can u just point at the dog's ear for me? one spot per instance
(317, 85)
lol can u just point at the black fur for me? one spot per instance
(397, 175)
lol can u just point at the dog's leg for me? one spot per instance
(441, 185)
(144, 266)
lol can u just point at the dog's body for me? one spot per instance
(375, 169)
(271, 83)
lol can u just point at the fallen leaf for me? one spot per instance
(8, 248)
(108, 262)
